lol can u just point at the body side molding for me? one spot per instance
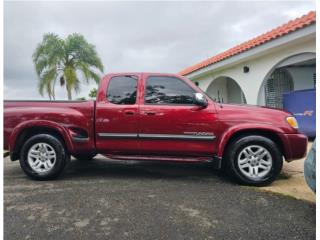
(117, 135)
(157, 136)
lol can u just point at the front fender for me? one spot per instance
(245, 127)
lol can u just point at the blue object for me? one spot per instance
(310, 168)
(302, 104)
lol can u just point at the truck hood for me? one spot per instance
(252, 114)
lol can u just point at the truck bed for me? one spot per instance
(70, 116)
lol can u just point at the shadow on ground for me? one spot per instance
(100, 167)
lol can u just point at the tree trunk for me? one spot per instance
(69, 93)
(53, 93)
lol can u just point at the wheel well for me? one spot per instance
(32, 131)
(264, 133)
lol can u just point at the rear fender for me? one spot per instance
(40, 123)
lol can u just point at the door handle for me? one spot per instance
(129, 112)
(150, 113)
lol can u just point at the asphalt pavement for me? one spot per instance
(105, 199)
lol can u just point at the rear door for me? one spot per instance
(117, 116)
(171, 124)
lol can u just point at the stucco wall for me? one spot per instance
(260, 68)
(234, 92)
(220, 85)
(302, 77)
(226, 89)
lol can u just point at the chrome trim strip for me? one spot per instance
(176, 136)
(77, 139)
(117, 135)
(157, 136)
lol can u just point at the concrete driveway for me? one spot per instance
(131, 200)
(292, 182)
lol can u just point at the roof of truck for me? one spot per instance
(140, 73)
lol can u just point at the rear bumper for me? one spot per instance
(294, 146)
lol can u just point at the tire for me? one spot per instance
(253, 160)
(40, 150)
(85, 157)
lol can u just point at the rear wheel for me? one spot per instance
(43, 157)
(254, 160)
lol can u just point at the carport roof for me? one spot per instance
(275, 33)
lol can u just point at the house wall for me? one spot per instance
(261, 67)
(226, 89)
(234, 92)
(220, 85)
(302, 77)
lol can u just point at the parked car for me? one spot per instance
(310, 168)
(304, 111)
(149, 116)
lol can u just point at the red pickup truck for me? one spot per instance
(150, 116)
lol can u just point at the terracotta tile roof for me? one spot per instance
(282, 30)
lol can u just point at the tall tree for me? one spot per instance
(58, 59)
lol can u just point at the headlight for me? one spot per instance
(292, 122)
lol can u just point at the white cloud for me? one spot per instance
(134, 36)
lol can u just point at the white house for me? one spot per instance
(260, 70)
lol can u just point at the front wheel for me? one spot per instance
(43, 157)
(254, 160)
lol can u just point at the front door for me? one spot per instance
(117, 116)
(170, 122)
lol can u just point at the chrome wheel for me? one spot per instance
(41, 157)
(255, 162)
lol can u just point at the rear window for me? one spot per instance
(122, 90)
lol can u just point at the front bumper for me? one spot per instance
(294, 146)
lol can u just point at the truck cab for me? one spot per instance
(154, 114)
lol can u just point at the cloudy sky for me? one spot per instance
(134, 36)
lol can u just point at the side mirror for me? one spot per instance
(200, 100)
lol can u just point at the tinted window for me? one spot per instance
(122, 90)
(168, 90)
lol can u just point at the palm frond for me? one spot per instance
(47, 57)
(46, 81)
(81, 51)
(77, 86)
(95, 76)
(85, 69)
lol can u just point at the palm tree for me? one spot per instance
(62, 60)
